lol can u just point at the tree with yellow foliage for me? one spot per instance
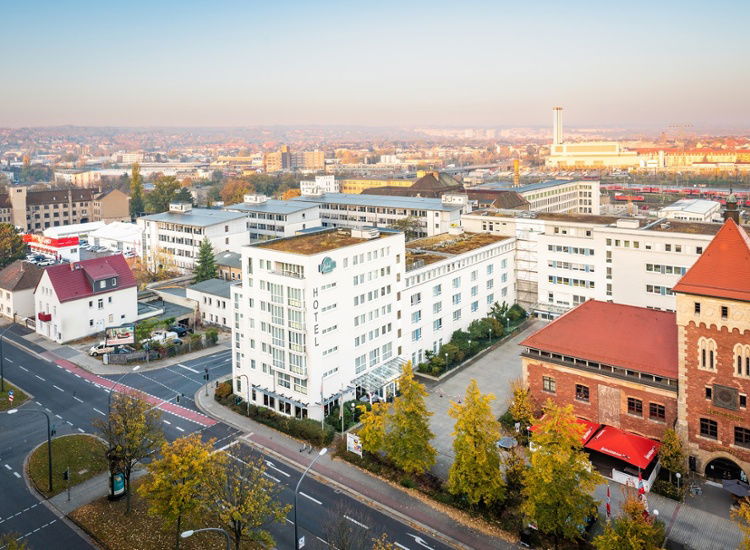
(234, 191)
(372, 432)
(558, 484)
(742, 516)
(245, 501)
(521, 407)
(475, 472)
(407, 441)
(177, 482)
(633, 530)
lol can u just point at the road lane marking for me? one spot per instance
(58, 416)
(24, 368)
(315, 500)
(100, 412)
(38, 403)
(324, 542)
(420, 541)
(187, 368)
(179, 428)
(40, 378)
(8, 466)
(80, 430)
(401, 546)
(58, 388)
(69, 422)
(78, 399)
(17, 475)
(355, 522)
(273, 467)
(269, 476)
(167, 422)
(9, 360)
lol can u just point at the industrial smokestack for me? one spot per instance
(557, 126)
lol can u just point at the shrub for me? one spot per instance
(408, 482)
(212, 336)
(669, 490)
(223, 390)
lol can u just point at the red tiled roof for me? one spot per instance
(71, 283)
(631, 337)
(723, 270)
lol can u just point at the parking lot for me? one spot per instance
(495, 373)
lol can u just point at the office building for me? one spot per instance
(434, 216)
(79, 178)
(179, 232)
(692, 210)
(271, 218)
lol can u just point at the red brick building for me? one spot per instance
(644, 370)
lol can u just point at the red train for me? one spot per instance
(620, 197)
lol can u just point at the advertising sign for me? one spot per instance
(118, 484)
(327, 265)
(50, 241)
(353, 445)
(117, 336)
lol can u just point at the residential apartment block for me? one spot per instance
(180, 231)
(38, 210)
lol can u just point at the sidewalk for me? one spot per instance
(363, 486)
(90, 490)
(39, 344)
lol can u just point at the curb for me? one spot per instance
(395, 514)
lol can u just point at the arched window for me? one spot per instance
(742, 360)
(707, 353)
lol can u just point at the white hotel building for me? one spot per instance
(316, 317)
(563, 260)
(452, 280)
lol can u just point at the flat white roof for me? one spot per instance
(693, 206)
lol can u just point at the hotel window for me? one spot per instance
(743, 401)
(416, 335)
(474, 306)
(741, 437)
(724, 312)
(416, 299)
(437, 307)
(549, 385)
(656, 412)
(436, 290)
(457, 299)
(709, 428)
(416, 316)
(706, 353)
(635, 406)
(582, 393)
(457, 282)
(360, 364)
(457, 315)
(709, 392)
(437, 324)
(696, 307)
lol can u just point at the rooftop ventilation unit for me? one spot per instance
(365, 233)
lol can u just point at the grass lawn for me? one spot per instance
(18, 397)
(107, 523)
(83, 454)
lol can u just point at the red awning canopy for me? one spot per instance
(591, 428)
(633, 449)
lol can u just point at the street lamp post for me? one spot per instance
(49, 442)
(322, 451)
(112, 389)
(247, 383)
(191, 532)
(2, 357)
(678, 475)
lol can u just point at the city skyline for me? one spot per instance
(498, 64)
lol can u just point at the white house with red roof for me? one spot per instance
(83, 298)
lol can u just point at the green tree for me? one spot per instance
(245, 501)
(499, 312)
(132, 431)
(164, 191)
(12, 247)
(671, 453)
(372, 432)
(137, 205)
(12, 541)
(558, 484)
(633, 530)
(475, 468)
(183, 195)
(410, 225)
(179, 479)
(408, 438)
(205, 266)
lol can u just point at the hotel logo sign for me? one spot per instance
(327, 265)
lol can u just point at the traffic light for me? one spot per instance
(53, 430)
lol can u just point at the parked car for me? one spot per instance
(123, 349)
(160, 336)
(180, 330)
(100, 349)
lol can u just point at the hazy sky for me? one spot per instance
(378, 62)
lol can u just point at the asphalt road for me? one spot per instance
(74, 402)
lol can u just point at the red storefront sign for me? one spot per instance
(50, 241)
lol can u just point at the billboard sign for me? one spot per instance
(327, 265)
(118, 336)
(353, 444)
(50, 241)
